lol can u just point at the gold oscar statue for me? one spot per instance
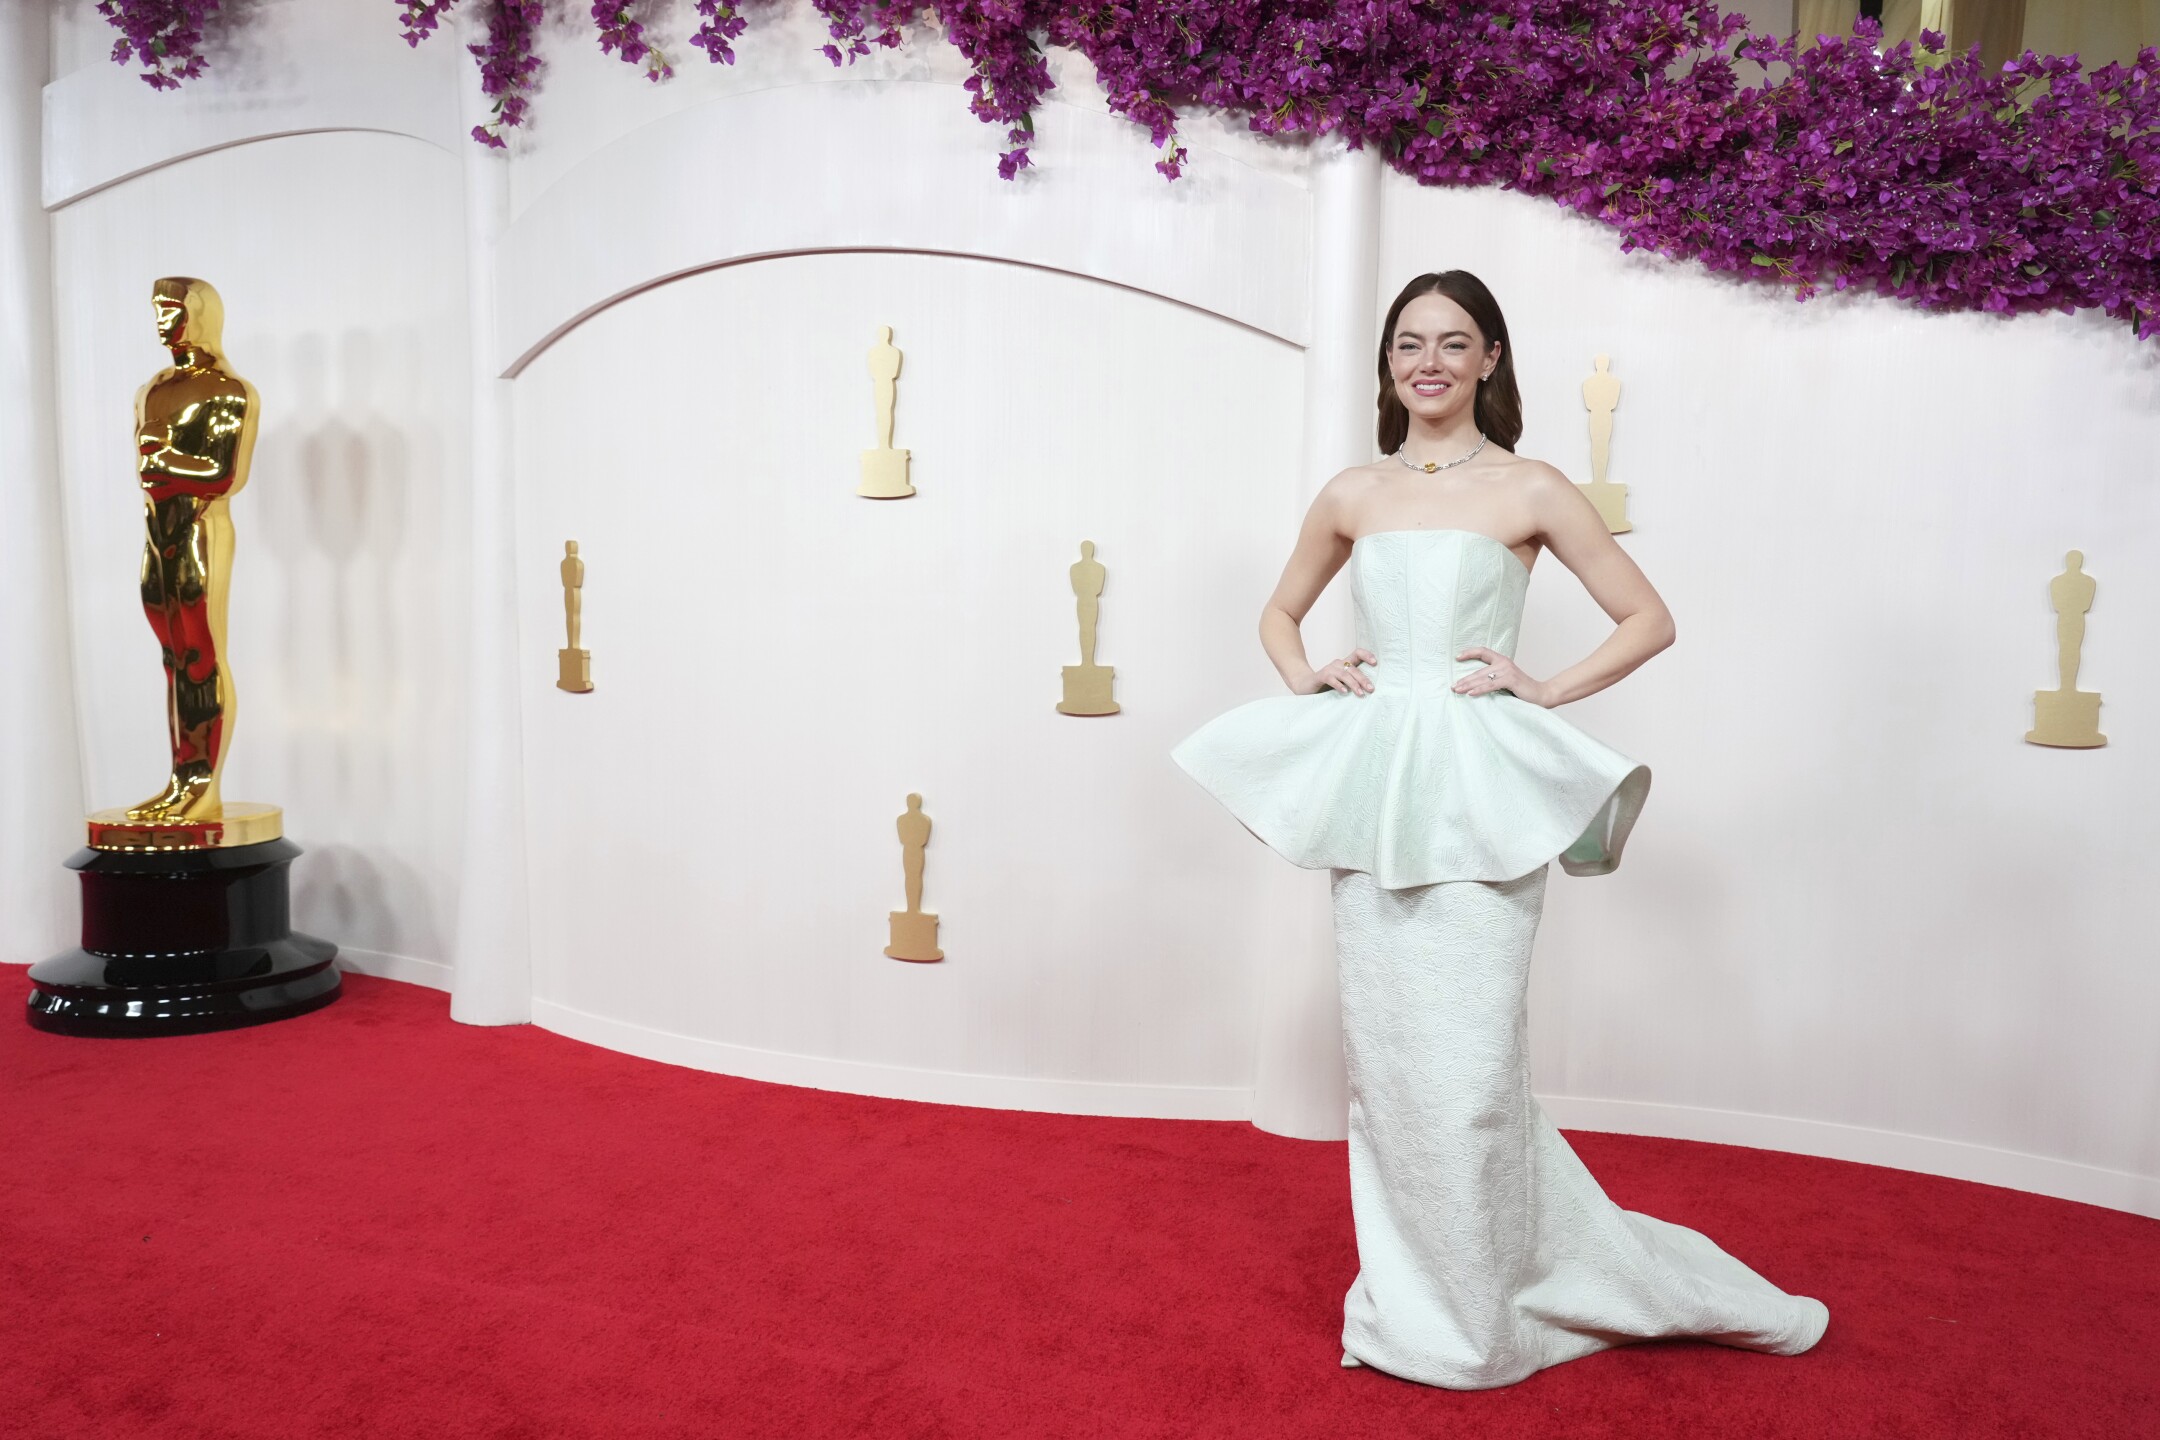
(914, 932)
(2067, 716)
(573, 666)
(1601, 396)
(194, 435)
(186, 898)
(885, 470)
(1087, 685)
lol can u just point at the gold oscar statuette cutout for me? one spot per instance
(2067, 716)
(885, 470)
(195, 425)
(573, 666)
(1087, 685)
(1601, 396)
(914, 931)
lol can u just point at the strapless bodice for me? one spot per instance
(1414, 783)
(1422, 597)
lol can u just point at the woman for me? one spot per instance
(1426, 771)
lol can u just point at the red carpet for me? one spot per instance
(372, 1222)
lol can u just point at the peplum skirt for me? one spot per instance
(1419, 788)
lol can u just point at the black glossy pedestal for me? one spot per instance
(180, 941)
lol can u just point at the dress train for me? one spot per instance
(1487, 1251)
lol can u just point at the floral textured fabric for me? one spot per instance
(1486, 1251)
(1414, 783)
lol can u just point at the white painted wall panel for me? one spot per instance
(340, 263)
(780, 662)
(593, 100)
(906, 171)
(285, 67)
(40, 772)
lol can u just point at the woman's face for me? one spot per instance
(1437, 356)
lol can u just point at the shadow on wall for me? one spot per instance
(356, 707)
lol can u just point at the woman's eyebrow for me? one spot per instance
(1444, 335)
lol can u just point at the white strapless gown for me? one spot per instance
(1486, 1251)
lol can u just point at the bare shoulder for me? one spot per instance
(1541, 493)
(1535, 479)
(1342, 499)
(1357, 479)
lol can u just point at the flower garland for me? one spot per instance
(162, 34)
(1905, 171)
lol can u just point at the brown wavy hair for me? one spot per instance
(1498, 406)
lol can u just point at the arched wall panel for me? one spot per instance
(780, 662)
(293, 67)
(912, 174)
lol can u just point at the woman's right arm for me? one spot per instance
(1321, 550)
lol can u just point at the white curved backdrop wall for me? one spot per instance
(780, 662)
(1860, 917)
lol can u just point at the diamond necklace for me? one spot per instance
(1429, 466)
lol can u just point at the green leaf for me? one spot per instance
(1544, 166)
(1436, 127)
(2103, 218)
(1763, 260)
(2034, 270)
(1841, 147)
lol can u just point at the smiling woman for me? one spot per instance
(1471, 336)
(1428, 773)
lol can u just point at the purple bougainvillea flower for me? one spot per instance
(1908, 171)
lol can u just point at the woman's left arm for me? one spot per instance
(1573, 530)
